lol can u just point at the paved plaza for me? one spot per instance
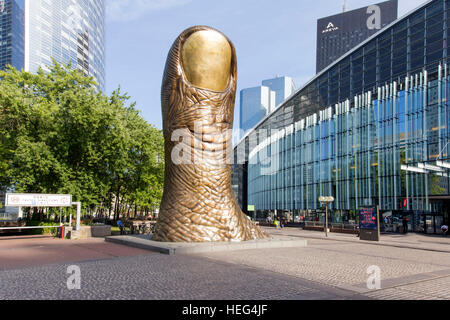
(36, 268)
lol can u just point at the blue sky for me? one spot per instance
(272, 37)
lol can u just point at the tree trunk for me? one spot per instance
(117, 205)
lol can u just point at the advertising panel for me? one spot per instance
(369, 224)
(38, 200)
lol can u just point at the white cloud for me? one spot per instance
(127, 10)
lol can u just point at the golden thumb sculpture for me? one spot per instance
(197, 100)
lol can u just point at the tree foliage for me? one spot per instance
(59, 134)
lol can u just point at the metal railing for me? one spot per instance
(341, 226)
(37, 227)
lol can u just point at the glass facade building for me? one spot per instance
(67, 31)
(12, 34)
(370, 129)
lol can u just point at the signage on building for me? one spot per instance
(337, 34)
(38, 200)
(326, 199)
(330, 27)
(250, 208)
(369, 224)
(372, 18)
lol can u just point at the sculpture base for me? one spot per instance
(171, 248)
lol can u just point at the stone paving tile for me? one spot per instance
(416, 256)
(409, 241)
(324, 270)
(340, 265)
(436, 289)
(395, 294)
(160, 277)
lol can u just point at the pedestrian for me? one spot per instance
(405, 225)
(120, 225)
(276, 222)
(444, 229)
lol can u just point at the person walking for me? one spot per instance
(120, 225)
(277, 223)
(284, 222)
(444, 229)
(405, 225)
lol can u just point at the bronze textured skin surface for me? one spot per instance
(199, 87)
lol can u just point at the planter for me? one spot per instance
(87, 232)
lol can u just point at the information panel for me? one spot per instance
(38, 200)
(368, 218)
(369, 226)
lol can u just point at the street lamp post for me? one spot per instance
(326, 201)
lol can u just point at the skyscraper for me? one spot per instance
(12, 34)
(340, 33)
(35, 32)
(257, 102)
(67, 31)
(282, 86)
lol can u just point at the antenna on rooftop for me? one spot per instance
(344, 7)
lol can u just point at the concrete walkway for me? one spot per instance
(409, 240)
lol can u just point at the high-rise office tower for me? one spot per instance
(12, 33)
(33, 32)
(340, 33)
(67, 31)
(255, 103)
(258, 102)
(283, 87)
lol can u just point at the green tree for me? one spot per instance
(59, 134)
